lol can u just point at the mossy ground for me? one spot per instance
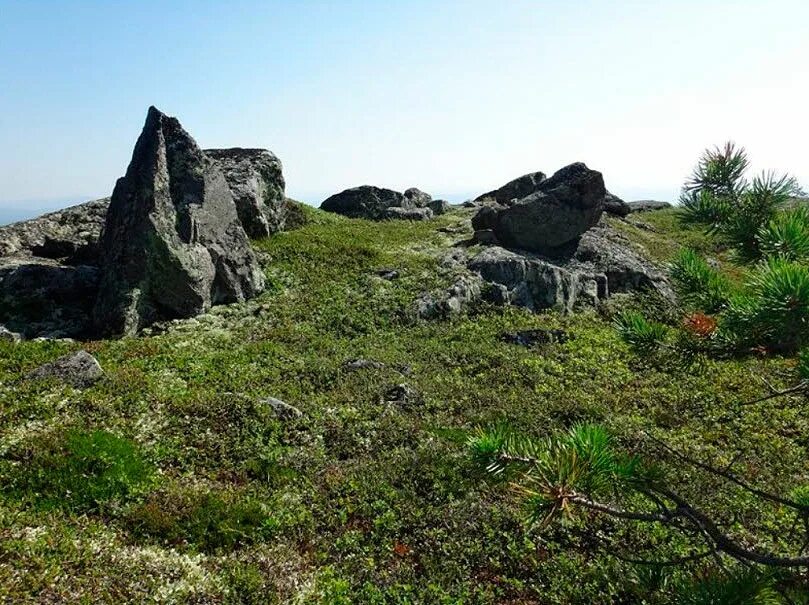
(185, 487)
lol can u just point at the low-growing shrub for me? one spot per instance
(642, 334)
(206, 520)
(80, 470)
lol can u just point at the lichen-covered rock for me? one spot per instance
(79, 369)
(419, 198)
(409, 214)
(256, 180)
(536, 283)
(602, 264)
(517, 189)
(451, 301)
(564, 206)
(71, 234)
(172, 245)
(43, 297)
(439, 207)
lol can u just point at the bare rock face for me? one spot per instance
(256, 180)
(517, 189)
(615, 205)
(172, 244)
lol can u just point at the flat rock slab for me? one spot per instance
(79, 369)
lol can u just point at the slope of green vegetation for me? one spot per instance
(173, 480)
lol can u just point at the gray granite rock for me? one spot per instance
(647, 205)
(517, 189)
(172, 245)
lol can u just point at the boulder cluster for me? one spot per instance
(172, 241)
(546, 246)
(377, 204)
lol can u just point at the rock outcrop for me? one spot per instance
(517, 189)
(256, 181)
(172, 244)
(378, 203)
(602, 263)
(564, 206)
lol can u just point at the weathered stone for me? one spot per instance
(409, 214)
(537, 284)
(256, 180)
(281, 409)
(402, 395)
(439, 207)
(367, 202)
(601, 264)
(352, 365)
(43, 297)
(387, 274)
(647, 205)
(418, 197)
(465, 290)
(615, 205)
(517, 189)
(79, 369)
(565, 205)
(173, 245)
(71, 234)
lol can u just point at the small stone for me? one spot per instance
(352, 365)
(282, 410)
(79, 369)
(387, 274)
(531, 338)
(402, 394)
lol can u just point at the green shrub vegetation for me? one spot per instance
(173, 480)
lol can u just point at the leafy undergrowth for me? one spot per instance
(172, 480)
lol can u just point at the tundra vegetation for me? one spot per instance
(657, 454)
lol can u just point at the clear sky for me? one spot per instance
(454, 97)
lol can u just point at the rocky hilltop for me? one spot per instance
(174, 240)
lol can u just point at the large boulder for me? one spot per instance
(564, 206)
(256, 181)
(378, 203)
(367, 202)
(517, 189)
(172, 245)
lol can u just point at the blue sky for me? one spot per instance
(453, 97)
